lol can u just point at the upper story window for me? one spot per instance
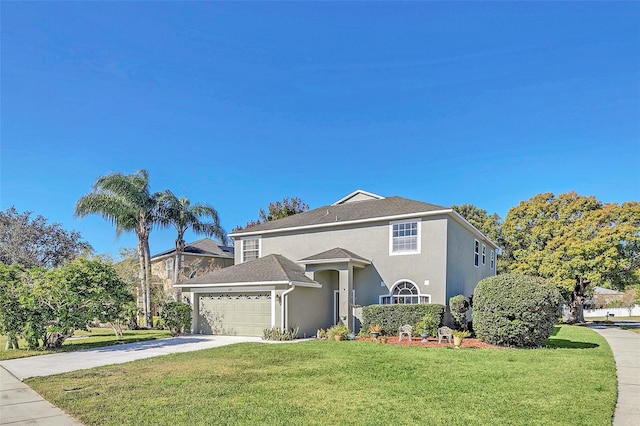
(492, 260)
(169, 265)
(405, 293)
(404, 237)
(250, 249)
(476, 253)
(484, 254)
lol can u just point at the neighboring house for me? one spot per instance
(602, 297)
(314, 269)
(199, 257)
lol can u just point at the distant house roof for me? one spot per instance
(271, 269)
(205, 246)
(335, 255)
(348, 211)
(602, 290)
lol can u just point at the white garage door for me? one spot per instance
(241, 314)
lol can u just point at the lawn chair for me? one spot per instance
(405, 330)
(445, 332)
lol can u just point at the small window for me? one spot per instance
(492, 259)
(476, 253)
(404, 237)
(250, 249)
(169, 264)
(484, 254)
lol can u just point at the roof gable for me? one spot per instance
(358, 195)
(273, 268)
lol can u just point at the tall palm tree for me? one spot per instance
(125, 201)
(182, 215)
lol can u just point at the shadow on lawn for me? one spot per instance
(567, 344)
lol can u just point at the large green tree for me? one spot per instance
(182, 215)
(573, 240)
(488, 224)
(32, 241)
(126, 202)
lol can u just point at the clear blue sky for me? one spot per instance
(240, 104)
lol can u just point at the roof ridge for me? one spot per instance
(279, 262)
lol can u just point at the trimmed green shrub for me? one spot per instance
(391, 317)
(278, 334)
(459, 305)
(176, 317)
(515, 310)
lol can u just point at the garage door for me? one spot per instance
(242, 314)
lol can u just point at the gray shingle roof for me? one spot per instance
(358, 210)
(203, 246)
(273, 267)
(335, 253)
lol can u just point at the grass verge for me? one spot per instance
(572, 381)
(81, 339)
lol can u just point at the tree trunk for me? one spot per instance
(577, 299)
(143, 281)
(177, 293)
(147, 262)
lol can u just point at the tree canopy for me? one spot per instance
(568, 236)
(277, 210)
(488, 224)
(31, 241)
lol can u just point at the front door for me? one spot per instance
(336, 308)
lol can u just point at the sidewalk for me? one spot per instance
(626, 352)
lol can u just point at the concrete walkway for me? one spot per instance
(21, 405)
(626, 352)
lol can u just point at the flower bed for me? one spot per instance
(431, 342)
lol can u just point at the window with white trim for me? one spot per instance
(169, 265)
(492, 260)
(250, 249)
(476, 253)
(404, 237)
(484, 254)
(405, 293)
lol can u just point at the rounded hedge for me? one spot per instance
(515, 310)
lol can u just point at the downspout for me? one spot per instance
(282, 298)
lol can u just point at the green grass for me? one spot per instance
(351, 383)
(96, 337)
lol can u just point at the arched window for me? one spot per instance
(405, 292)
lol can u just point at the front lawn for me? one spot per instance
(333, 383)
(81, 339)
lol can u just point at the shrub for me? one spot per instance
(428, 324)
(277, 333)
(336, 330)
(515, 310)
(176, 317)
(391, 317)
(459, 305)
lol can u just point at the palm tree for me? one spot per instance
(182, 215)
(125, 201)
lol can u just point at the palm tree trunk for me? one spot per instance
(143, 281)
(147, 262)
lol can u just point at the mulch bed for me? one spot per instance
(431, 342)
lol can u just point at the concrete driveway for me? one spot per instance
(48, 365)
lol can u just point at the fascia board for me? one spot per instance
(236, 284)
(356, 192)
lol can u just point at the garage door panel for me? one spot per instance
(246, 314)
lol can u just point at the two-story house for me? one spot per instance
(315, 269)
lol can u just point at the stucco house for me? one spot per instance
(198, 258)
(315, 269)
